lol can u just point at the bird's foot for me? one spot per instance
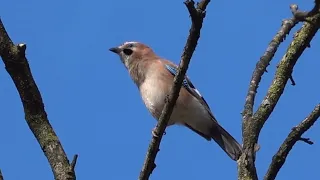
(155, 134)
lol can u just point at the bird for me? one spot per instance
(154, 76)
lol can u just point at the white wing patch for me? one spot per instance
(196, 90)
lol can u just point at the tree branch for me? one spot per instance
(252, 123)
(197, 16)
(1, 176)
(18, 68)
(295, 135)
(71, 172)
(303, 15)
(265, 60)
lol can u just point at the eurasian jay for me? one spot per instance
(154, 78)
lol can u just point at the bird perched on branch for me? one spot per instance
(154, 78)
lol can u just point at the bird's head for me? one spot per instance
(132, 51)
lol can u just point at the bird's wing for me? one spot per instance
(187, 84)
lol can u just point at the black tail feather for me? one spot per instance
(226, 142)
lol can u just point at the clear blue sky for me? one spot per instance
(97, 112)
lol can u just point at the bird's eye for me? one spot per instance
(127, 52)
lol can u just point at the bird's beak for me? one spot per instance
(115, 50)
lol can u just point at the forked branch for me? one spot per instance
(253, 122)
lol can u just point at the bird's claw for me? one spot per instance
(154, 134)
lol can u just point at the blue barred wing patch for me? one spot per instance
(187, 84)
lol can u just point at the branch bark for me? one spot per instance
(295, 135)
(197, 15)
(253, 123)
(18, 68)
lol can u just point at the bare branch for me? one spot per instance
(302, 15)
(197, 16)
(283, 73)
(1, 176)
(295, 135)
(263, 63)
(74, 162)
(71, 172)
(252, 123)
(265, 60)
(18, 68)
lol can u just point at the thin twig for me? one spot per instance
(197, 16)
(306, 140)
(295, 135)
(72, 174)
(293, 83)
(74, 162)
(18, 68)
(252, 123)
